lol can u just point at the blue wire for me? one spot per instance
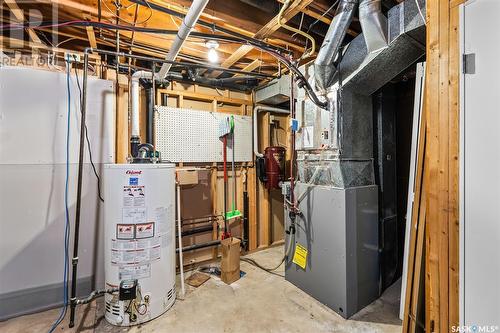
(62, 314)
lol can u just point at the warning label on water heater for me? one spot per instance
(125, 231)
(134, 272)
(144, 230)
(134, 196)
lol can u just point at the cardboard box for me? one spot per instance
(230, 263)
(187, 176)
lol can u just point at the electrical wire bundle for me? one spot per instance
(62, 313)
(67, 225)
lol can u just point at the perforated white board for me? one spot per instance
(187, 135)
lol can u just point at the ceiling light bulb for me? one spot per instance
(213, 57)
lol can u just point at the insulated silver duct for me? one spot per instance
(373, 24)
(324, 68)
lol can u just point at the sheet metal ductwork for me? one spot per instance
(365, 72)
(373, 24)
(324, 67)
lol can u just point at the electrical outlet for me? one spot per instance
(71, 57)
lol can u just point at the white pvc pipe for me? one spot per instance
(187, 25)
(179, 232)
(256, 110)
(134, 91)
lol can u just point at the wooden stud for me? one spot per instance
(454, 143)
(417, 229)
(91, 37)
(264, 195)
(213, 196)
(442, 156)
(180, 101)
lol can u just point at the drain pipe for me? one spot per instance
(374, 25)
(186, 27)
(179, 233)
(256, 110)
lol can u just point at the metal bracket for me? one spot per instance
(469, 63)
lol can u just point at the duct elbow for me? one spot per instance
(324, 68)
(374, 25)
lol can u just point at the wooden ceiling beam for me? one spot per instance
(76, 6)
(251, 66)
(323, 18)
(264, 32)
(91, 37)
(19, 15)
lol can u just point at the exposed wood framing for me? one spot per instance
(251, 66)
(296, 7)
(91, 37)
(202, 97)
(263, 192)
(19, 15)
(323, 18)
(417, 236)
(442, 110)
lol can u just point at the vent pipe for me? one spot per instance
(374, 25)
(324, 68)
(185, 29)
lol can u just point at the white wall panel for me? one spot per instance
(33, 115)
(480, 167)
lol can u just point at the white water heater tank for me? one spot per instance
(139, 236)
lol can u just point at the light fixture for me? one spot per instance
(212, 55)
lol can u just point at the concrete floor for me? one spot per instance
(259, 302)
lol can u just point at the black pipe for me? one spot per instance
(197, 230)
(199, 246)
(211, 26)
(180, 63)
(245, 220)
(74, 260)
(202, 218)
(149, 111)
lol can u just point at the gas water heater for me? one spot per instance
(139, 246)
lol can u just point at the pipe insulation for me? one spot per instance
(324, 67)
(186, 27)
